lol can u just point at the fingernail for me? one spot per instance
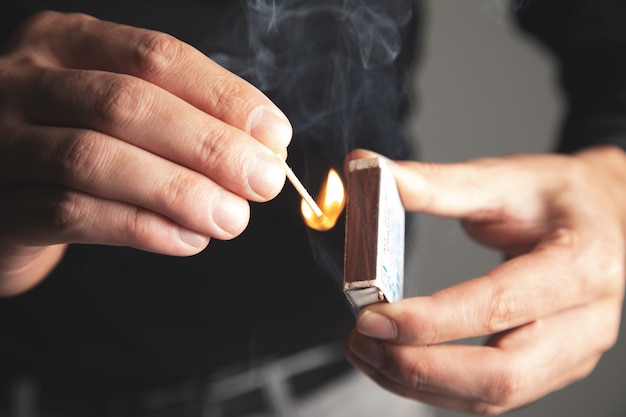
(266, 176)
(270, 127)
(377, 326)
(192, 239)
(230, 213)
(369, 351)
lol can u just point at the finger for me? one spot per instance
(437, 400)
(105, 167)
(500, 203)
(550, 279)
(79, 41)
(517, 367)
(153, 119)
(471, 189)
(504, 400)
(42, 216)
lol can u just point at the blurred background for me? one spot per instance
(484, 89)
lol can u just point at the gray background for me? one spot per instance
(486, 90)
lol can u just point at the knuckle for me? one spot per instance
(156, 52)
(211, 147)
(81, 155)
(418, 375)
(229, 94)
(501, 310)
(124, 97)
(67, 216)
(136, 226)
(505, 389)
(178, 194)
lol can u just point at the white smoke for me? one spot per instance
(328, 63)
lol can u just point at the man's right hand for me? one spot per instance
(116, 135)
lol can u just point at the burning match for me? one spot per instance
(301, 190)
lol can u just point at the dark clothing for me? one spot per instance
(123, 317)
(589, 39)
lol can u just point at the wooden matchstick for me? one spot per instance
(374, 239)
(300, 189)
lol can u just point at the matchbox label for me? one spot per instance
(391, 236)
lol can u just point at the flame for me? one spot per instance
(331, 200)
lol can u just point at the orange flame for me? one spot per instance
(331, 201)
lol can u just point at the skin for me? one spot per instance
(103, 140)
(548, 312)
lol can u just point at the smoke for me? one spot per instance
(339, 71)
(276, 27)
(331, 65)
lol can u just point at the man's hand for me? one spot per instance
(115, 135)
(550, 310)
